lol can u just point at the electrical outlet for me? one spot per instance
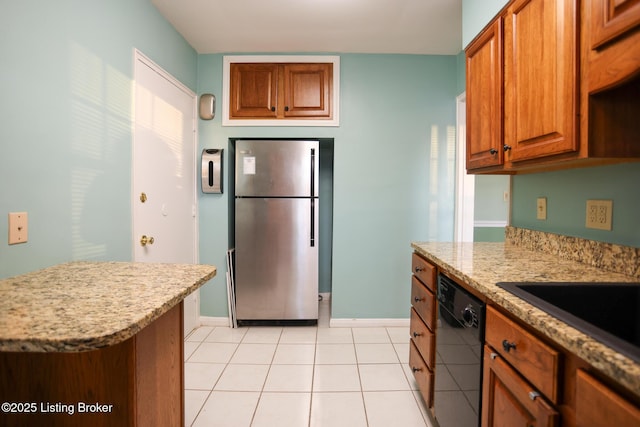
(17, 227)
(599, 214)
(541, 211)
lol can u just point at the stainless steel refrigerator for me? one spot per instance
(276, 229)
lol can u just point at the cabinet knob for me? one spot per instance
(273, 108)
(286, 108)
(416, 369)
(508, 345)
(416, 335)
(506, 147)
(418, 299)
(533, 395)
(418, 269)
(493, 151)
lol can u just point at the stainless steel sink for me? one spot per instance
(609, 312)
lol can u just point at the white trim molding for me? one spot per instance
(335, 101)
(214, 321)
(369, 323)
(489, 224)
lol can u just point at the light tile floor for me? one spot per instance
(300, 376)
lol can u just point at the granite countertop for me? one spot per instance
(482, 265)
(83, 306)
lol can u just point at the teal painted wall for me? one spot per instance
(476, 14)
(488, 234)
(461, 83)
(66, 72)
(567, 193)
(393, 177)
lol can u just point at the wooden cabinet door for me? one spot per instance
(484, 98)
(612, 18)
(509, 400)
(599, 406)
(254, 90)
(541, 82)
(307, 90)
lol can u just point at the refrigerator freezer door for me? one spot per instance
(277, 168)
(276, 259)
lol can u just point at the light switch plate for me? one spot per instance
(18, 222)
(541, 211)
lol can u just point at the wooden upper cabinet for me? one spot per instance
(484, 98)
(307, 90)
(612, 18)
(254, 90)
(541, 84)
(280, 91)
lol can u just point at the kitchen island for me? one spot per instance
(95, 343)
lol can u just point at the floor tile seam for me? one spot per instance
(202, 406)
(192, 353)
(408, 383)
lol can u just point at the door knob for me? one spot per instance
(144, 240)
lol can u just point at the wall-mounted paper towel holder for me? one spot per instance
(212, 170)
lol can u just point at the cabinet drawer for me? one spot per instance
(424, 271)
(535, 360)
(424, 302)
(422, 374)
(423, 338)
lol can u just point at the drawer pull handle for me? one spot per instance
(416, 335)
(417, 299)
(416, 369)
(508, 345)
(533, 395)
(493, 356)
(418, 269)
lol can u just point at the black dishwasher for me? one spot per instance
(459, 342)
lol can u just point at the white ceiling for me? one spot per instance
(318, 26)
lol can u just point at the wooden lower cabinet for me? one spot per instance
(422, 373)
(532, 358)
(599, 406)
(509, 400)
(138, 382)
(422, 352)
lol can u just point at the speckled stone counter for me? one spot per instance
(482, 265)
(89, 305)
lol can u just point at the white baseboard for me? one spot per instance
(214, 321)
(368, 323)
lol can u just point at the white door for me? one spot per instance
(164, 178)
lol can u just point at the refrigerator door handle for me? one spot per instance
(313, 202)
(312, 240)
(313, 172)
